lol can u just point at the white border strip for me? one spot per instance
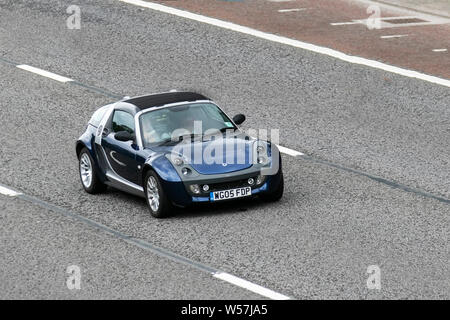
(9, 192)
(290, 42)
(394, 36)
(44, 73)
(345, 23)
(250, 286)
(292, 10)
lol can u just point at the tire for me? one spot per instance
(88, 174)
(275, 195)
(158, 204)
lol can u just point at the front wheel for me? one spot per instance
(158, 204)
(88, 175)
(274, 195)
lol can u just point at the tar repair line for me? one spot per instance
(288, 41)
(290, 152)
(215, 273)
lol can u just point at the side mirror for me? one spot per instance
(239, 118)
(124, 136)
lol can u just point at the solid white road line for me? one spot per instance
(394, 36)
(8, 192)
(44, 73)
(439, 50)
(292, 10)
(250, 286)
(290, 42)
(290, 152)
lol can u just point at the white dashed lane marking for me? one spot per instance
(44, 73)
(8, 192)
(439, 50)
(289, 152)
(250, 286)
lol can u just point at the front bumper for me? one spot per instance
(180, 194)
(255, 190)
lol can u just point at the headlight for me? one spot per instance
(178, 161)
(261, 160)
(260, 149)
(185, 171)
(262, 153)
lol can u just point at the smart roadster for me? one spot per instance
(176, 149)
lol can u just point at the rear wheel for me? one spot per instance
(88, 175)
(158, 204)
(275, 195)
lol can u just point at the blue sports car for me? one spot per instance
(176, 149)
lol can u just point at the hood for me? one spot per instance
(214, 156)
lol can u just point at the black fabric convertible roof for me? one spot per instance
(160, 99)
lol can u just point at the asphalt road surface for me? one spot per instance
(372, 189)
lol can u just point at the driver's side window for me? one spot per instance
(122, 121)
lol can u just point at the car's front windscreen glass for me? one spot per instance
(173, 123)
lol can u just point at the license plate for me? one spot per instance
(230, 194)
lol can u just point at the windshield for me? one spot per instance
(169, 124)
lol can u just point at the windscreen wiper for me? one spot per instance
(227, 128)
(170, 141)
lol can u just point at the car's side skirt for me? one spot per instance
(118, 182)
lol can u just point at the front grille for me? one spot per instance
(228, 185)
(220, 186)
